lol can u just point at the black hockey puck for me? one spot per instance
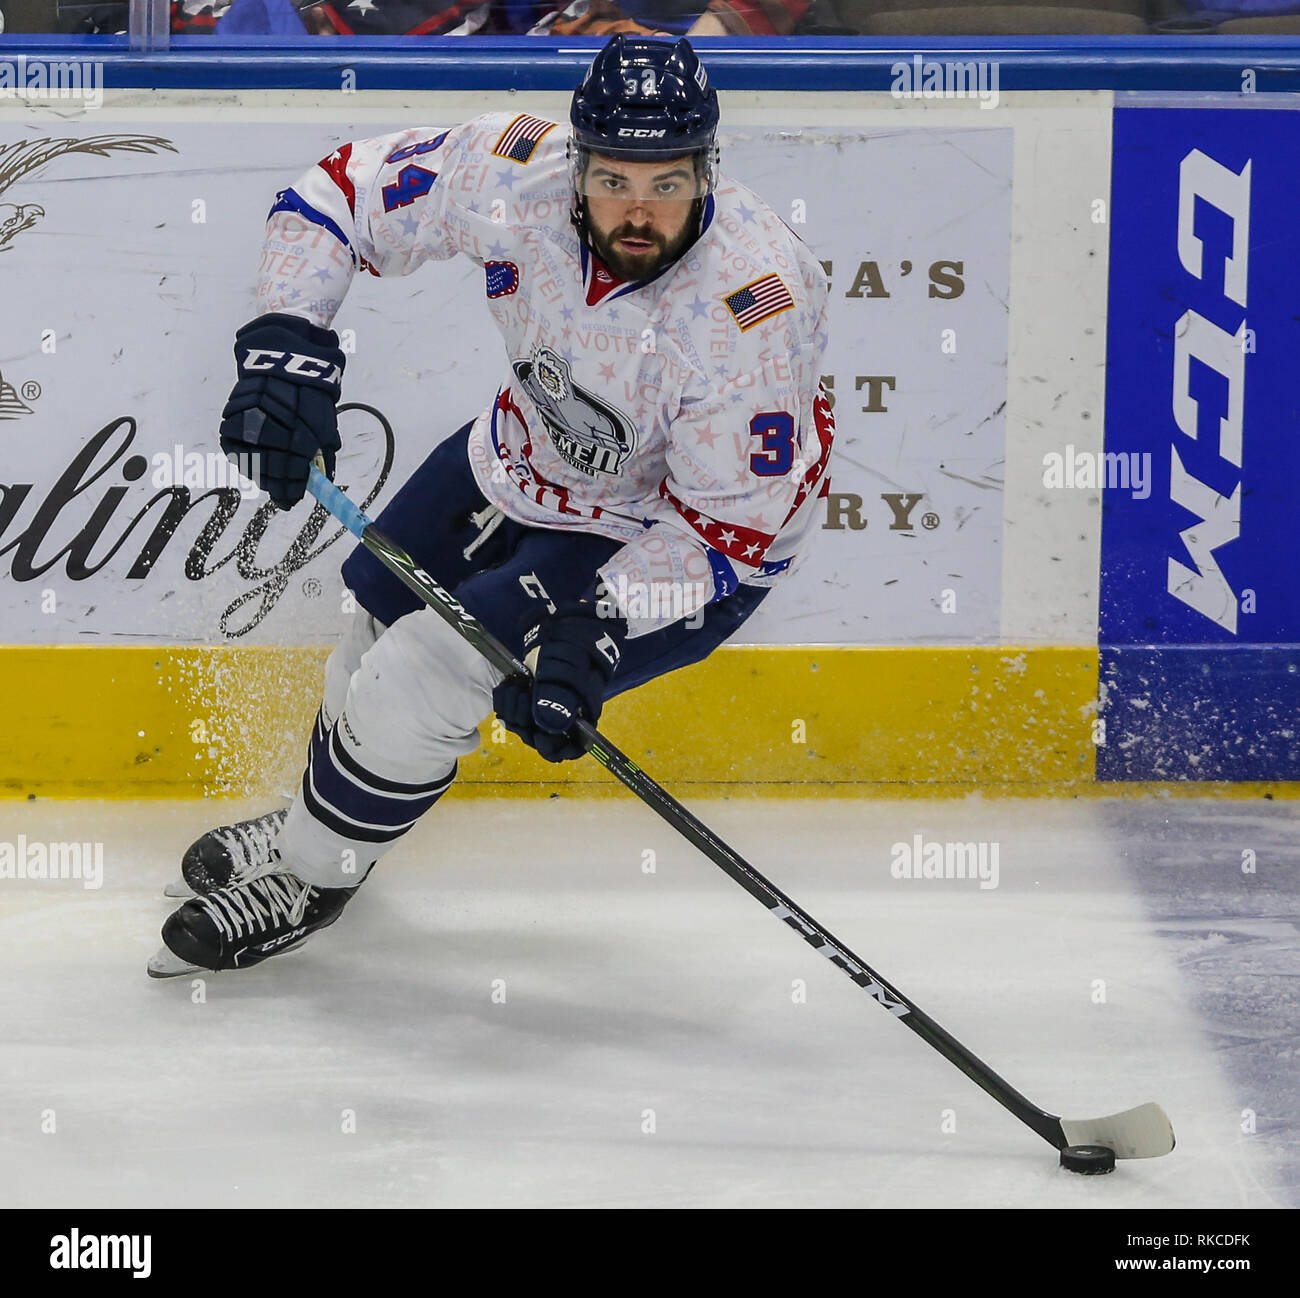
(1089, 1160)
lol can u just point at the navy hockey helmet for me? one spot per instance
(642, 100)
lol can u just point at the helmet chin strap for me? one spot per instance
(578, 219)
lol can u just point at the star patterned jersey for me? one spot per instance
(682, 415)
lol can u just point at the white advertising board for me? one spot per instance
(128, 251)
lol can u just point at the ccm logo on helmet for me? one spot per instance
(640, 132)
(309, 367)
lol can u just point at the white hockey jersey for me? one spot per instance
(682, 415)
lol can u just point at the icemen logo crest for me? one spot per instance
(587, 433)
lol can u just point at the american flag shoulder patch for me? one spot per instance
(520, 139)
(759, 300)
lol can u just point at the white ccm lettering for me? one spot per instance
(311, 367)
(259, 358)
(1204, 588)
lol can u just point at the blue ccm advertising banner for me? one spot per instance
(1200, 557)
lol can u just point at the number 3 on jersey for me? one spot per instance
(412, 183)
(776, 428)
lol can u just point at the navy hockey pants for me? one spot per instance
(431, 518)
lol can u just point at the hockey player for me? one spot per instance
(647, 469)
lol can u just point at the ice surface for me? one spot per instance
(1124, 956)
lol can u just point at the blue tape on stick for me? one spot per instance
(337, 502)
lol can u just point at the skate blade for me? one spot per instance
(165, 964)
(179, 888)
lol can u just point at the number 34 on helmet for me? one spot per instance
(643, 101)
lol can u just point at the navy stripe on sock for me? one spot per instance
(344, 828)
(354, 807)
(377, 782)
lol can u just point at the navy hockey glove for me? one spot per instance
(573, 654)
(283, 410)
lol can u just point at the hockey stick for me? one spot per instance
(1143, 1132)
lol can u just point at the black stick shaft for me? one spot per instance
(397, 561)
(819, 938)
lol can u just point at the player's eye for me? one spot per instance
(667, 188)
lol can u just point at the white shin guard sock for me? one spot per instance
(412, 706)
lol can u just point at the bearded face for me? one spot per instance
(640, 215)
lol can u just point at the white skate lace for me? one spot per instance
(249, 908)
(248, 844)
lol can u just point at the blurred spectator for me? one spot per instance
(1173, 17)
(330, 17)
(992, 17)
(241, 18)
(821, 20)
(29, 16)
(293, 18)
(1220, 10)
(1256, 17)
(398, 17)
(750, 18)
(634, 17)
(262, 18)
(195, 17)
(674, 18)
(489, 17)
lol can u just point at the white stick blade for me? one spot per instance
(1144, 1132)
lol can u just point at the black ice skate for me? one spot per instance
(229, 854)
(244, 924)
